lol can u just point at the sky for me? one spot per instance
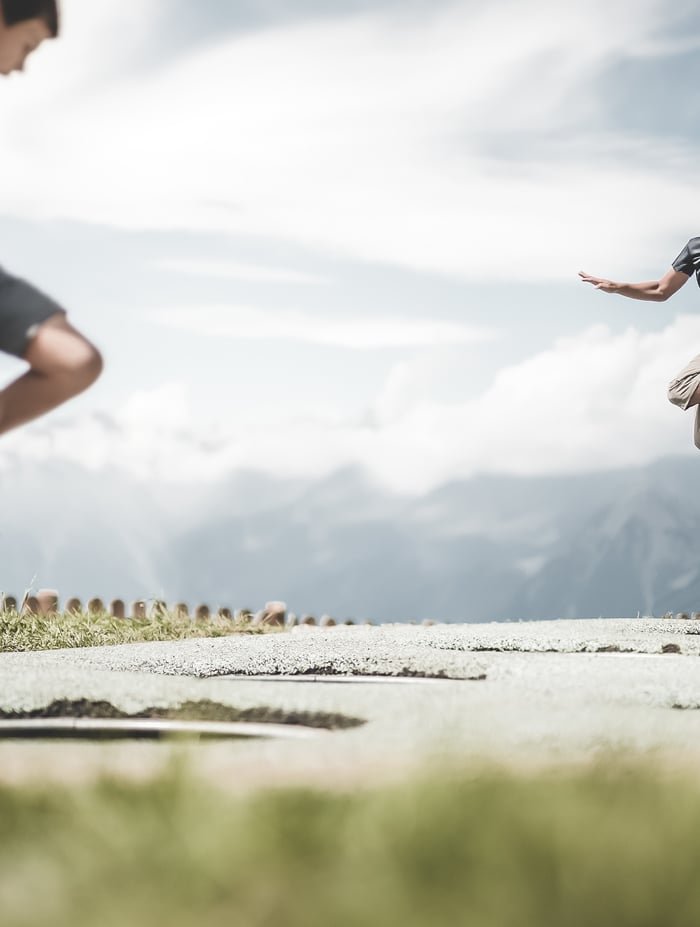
(306, 235)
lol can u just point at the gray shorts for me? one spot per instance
(23, 308)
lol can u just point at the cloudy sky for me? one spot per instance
(307, 234)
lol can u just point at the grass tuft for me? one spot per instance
(20, 633)
(611, 846)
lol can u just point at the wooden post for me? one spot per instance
(225, 613)
(202, 613)
(95, 607)
(138, 610)
(31, 606)
(73, 607)
(275, 614)
(48, 602)
(181, 611)
(9, 603)
(117, 608)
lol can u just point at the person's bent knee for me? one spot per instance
(82, 373)
(59, 351)
(82, 365)
(91, 366)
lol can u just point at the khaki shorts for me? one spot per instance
(681, 389)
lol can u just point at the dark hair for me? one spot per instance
(17, 11)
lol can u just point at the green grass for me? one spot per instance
(613, 846)
(30, 632)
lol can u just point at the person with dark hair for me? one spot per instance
(25, 25)
(34, 328)
(684, 389)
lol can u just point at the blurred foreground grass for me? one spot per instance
(31, 632)
(612, 845)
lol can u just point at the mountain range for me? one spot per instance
(489, 548)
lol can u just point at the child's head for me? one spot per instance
(24, 25)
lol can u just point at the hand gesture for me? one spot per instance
(607, 286)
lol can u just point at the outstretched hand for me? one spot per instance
(607, 286)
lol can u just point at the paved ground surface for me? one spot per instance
(530, 694)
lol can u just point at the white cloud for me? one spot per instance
(404, 387)
(233, 270)
(366, 137)
(167, 408)
(293, 325)
(591, 402)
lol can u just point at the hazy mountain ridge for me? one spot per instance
(487, 548)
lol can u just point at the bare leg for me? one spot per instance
(63, 364)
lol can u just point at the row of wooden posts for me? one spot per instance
(46, 603)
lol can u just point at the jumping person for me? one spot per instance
(32, 326)
(684, 390)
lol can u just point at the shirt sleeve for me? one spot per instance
(689, 258)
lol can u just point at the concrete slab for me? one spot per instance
(452, 651)
(530, 693)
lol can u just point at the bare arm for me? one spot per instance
(657, 291)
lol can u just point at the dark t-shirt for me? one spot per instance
(688, 261)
